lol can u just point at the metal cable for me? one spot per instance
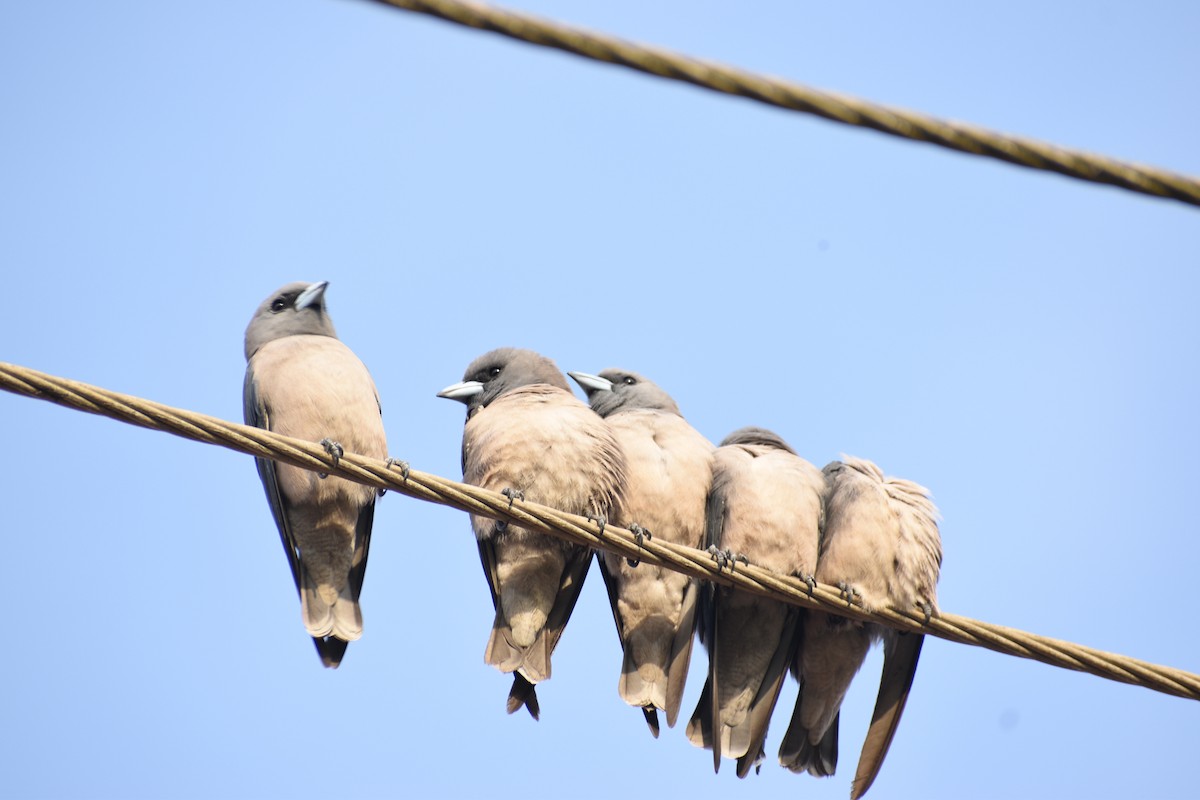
(781, 93)
(697, 563)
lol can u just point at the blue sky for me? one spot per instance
(1023, 344)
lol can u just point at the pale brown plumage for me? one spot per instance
(881, 543)
(766, 505)
(527, 434)
(669, 467)
(301, 381)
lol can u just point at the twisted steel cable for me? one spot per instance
(965, 138)
(399, 477)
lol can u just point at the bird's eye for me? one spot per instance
(279, 305)
(493, 372)
(630, 380)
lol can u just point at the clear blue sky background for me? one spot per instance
(1023, 344)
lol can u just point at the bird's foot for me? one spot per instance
(811, 582)
(640, 534)
(335, 452)
(395, 462)
(512, 494)
(927, 608)
(726, 558)
(600, 520)
(847, 591)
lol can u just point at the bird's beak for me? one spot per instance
(591, 383)
(462, 392)
(311, 296)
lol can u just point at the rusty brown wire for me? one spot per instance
(425, 486)
(965, 138)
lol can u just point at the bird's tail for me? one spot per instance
(329, 610)
(523, 693)
(799, 754)
(506, 656)
(332, 617)
(331, 650)
(643, 684)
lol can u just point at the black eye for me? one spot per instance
(279, 304)
(630, 380)
(493, 372)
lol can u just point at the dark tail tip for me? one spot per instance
(523, 693)
(746, 763)
(799, 755)
(651, 714)
(331, 650)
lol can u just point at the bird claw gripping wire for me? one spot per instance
(395, 462)
(335, 452)
(727, 558)
(600, 520)
(403, 465)
(512, 494)
(811, 582)
(849, 592)
(640, 534)
(927, 609)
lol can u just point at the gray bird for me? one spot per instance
(765, 507)
(527, 435)
(880, 544)
(669, 468)
(301, 381)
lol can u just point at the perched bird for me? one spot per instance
(301, 381)
(765, 507)
(880, 544)
(669, 468)
(527, 435)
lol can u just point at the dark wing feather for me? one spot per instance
(362, 547)
(681, 654)
(900, 655)
(487, 557)
(610, 583)
(714, 530)
(768, 692)
(257, 415)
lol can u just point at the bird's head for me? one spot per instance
(616, 390)
(295, 309)
(500, 371)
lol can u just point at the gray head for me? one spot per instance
(298, 308)
(500, 371)
(616, 390)
(761, 436)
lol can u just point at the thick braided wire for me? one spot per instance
(424, 486)
(781, 93)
